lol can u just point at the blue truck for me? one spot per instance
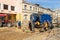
(40, 20)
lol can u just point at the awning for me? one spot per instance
(3, 15)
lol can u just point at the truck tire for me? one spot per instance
(30, 26)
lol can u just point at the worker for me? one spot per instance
(19, 24)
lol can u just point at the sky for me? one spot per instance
(52, 4)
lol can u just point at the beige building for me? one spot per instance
(28, 9)
(58, 15)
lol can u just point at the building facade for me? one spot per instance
(20, 10)
(28, 9)
(10, 10)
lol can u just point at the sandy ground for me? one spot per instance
(45, 35)
(9, 33)
(12, 34)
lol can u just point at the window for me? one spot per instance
(30, 7)
(33, 8)
(36, 9)
(25, 16)
(25, 7)
(5, 6)
(12, 8)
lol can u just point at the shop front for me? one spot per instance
(7, 19)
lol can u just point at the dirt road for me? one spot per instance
(53, 35)
(9, 33)
(12, 34)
